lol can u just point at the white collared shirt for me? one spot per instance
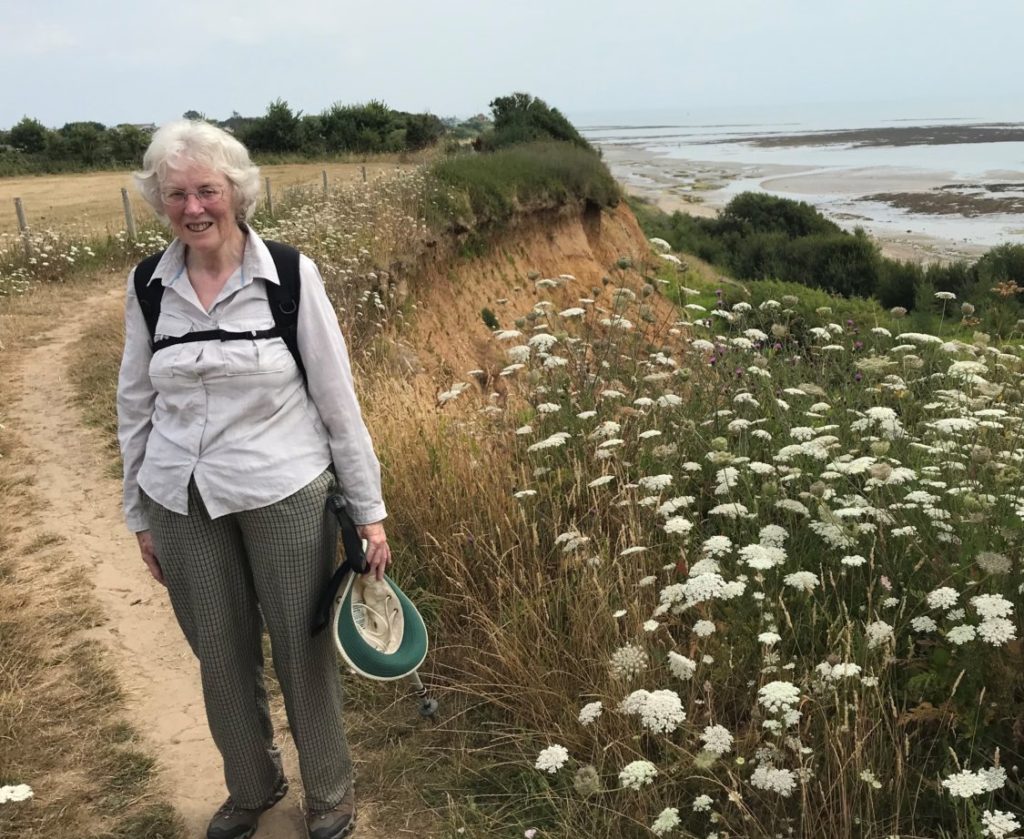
(235, 414)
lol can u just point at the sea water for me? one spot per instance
(672, 148)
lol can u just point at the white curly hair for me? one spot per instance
(186, 141)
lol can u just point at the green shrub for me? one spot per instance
(522, 118)
(757, 212)
(470, 190)
(489, 318)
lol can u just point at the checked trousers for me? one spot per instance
(228, 576)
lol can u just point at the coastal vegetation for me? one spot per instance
(522, 118)
(474, 190)
(706, 557)
(759, 237)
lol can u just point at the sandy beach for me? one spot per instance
(920, 213)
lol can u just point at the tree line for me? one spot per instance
(283, 132)
(30, 147)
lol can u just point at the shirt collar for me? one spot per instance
(256, 262)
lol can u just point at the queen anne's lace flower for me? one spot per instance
(552, 759)
(778, 696)
(878, 633)
(962, 634)
(667, 821)
(660, 711)
(717, 739)
(653, 483)
(590, 712)
(924, 624)
(681, 666)
(999, 824)
(967, 784)
(942, 598)
(678, 525)
(773, 779)
(628, 661)
(802, 581)
(997, 631)
(15, 792)
(992, 606)
(637, 774)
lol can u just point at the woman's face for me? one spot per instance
(200, 205)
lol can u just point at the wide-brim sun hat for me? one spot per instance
(376, 628)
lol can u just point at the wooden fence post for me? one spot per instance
(23, 226)
(364, 174)
(325, 183)
(270, 198)
(129, 218)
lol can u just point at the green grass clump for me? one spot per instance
(487, 190)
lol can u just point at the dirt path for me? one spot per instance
(157, 670)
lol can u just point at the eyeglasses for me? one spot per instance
(206, 195)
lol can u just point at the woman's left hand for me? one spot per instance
(378, 552)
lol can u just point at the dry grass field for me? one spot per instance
(92, 200)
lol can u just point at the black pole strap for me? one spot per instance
(337, 519)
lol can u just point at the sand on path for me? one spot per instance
(156, 669)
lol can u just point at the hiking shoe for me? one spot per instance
(334, 823)
(234, 822)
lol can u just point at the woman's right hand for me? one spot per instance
(149, 556)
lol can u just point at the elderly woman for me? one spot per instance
(229, 454)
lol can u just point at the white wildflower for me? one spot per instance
(667, 821)
(628, 661)
(637, 774)
(15, 792)
(778, 696)
(967, 784)
(997, 631)
(962, 634)
(772, 779)
(717, 739)
(878, 633)
(717, 546)
(992, 606)
(998, 824)
(924, 624)
(553, 442)
(552, 759)
(702, 803)
(660, 711)
(653, 483)
(590, 712)
(682, 667)
(679, 525)
(942, 598)
(802, 581)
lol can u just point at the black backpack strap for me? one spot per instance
(284, 298)
(149, 294)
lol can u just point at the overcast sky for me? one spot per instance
(117, 61)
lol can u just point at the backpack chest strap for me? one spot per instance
(216, 335)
